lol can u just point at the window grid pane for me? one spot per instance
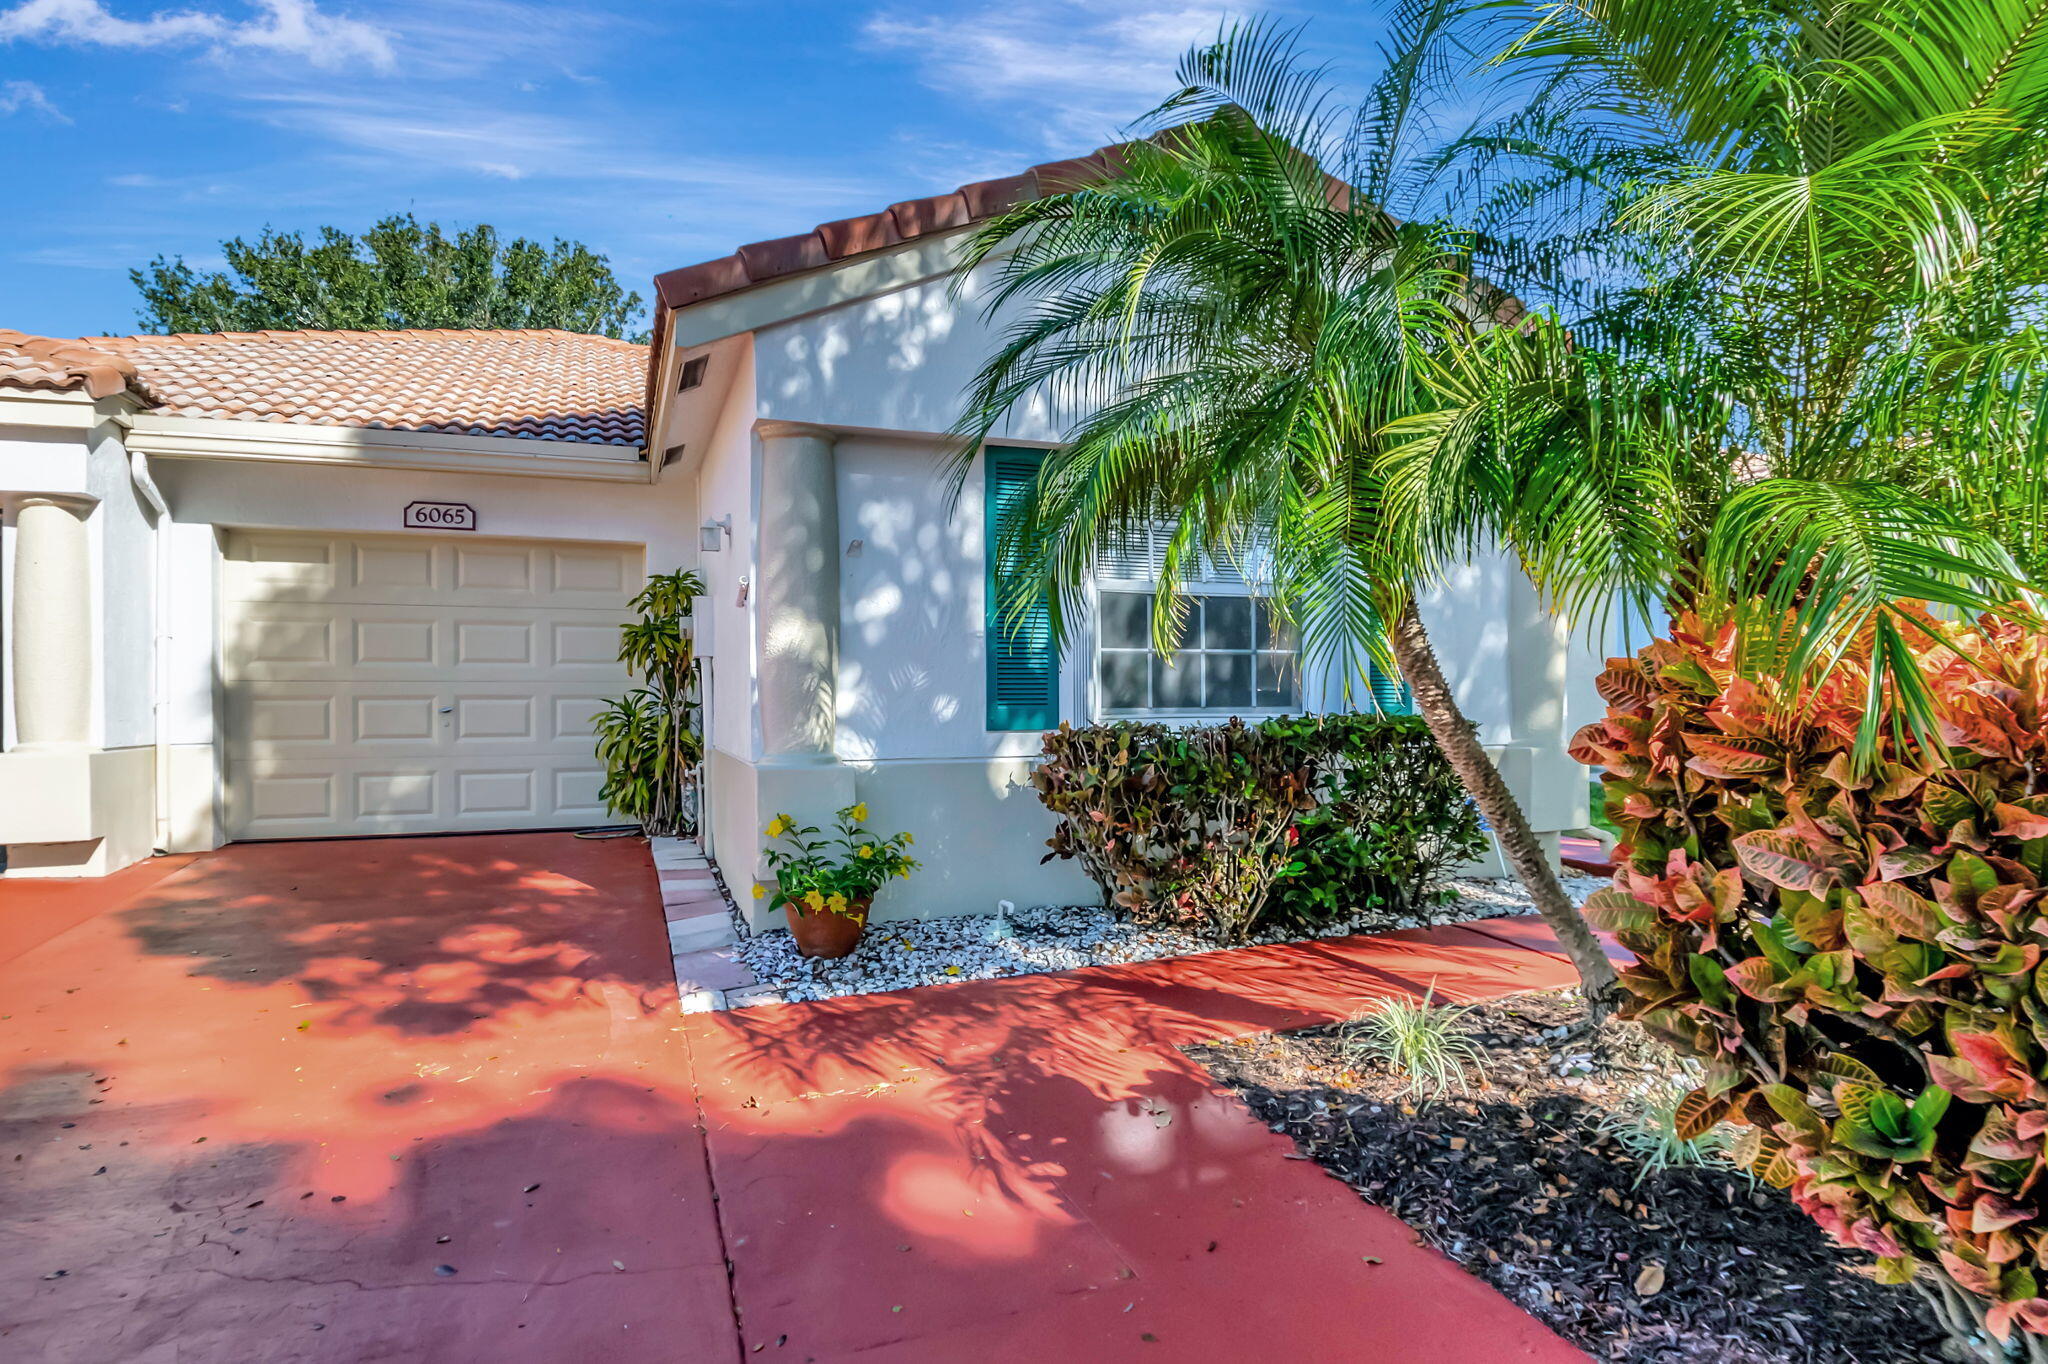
(1235, 653)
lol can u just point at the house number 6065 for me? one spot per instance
(440, 516)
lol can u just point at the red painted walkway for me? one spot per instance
(302, 1066)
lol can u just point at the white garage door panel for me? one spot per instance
(415, 684)
(293, 566)
(363, 796)
(299, 641)
(284, 721)
(279, 721)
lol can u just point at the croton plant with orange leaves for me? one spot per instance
(1854, 949)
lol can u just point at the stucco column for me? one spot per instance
(1537, 655)
(1552, 786)
(51, 660)
(799, 593)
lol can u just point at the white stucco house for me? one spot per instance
(310, 585)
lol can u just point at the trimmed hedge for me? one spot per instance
(1225, 828)
(1857, 954)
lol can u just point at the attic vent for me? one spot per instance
(693, 373)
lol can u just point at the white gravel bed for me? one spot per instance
(899, 954)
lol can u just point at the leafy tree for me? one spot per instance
(398, 274)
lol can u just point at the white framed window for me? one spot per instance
(1235, 655)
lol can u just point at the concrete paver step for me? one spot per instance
(700, 934)
(712, 968)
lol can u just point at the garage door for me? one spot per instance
(387, 685)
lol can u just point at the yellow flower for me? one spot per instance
(815, 899)
(903, 873)
(837, 904)
(908, 840)
(865, 850)
(760, 890)
(859, 813)
(778, 826)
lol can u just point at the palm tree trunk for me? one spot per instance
(1454, 735)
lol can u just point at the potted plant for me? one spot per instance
(826, 883)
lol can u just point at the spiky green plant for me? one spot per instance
(1428, 1045)
(1647, 1129)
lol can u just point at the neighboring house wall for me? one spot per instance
(78, 802)
(123, 525)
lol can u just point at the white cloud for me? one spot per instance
(1083, 70)
(86, 22)
(297, 28)
(468, 157)
(463, 39)
(18, 97)
(445, 133)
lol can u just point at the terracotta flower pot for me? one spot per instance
(821, 933)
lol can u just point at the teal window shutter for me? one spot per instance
(1389, 692)
(1023, 666)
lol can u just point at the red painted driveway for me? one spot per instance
(428, 1099)
(252, 1111)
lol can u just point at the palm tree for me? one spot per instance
(1791, 365)
(1225, 330)
(1787, 261)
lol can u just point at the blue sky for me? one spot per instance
(659, 134)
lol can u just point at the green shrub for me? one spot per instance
(1856, 953)
(1215, 827)
(1391, 821)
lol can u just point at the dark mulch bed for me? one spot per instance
(1518, 1184)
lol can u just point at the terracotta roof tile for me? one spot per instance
(760, 262)
(784, 255)
(986, 198)
(60, 364)
(851, 236)
(921, 217)
(536, 384)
